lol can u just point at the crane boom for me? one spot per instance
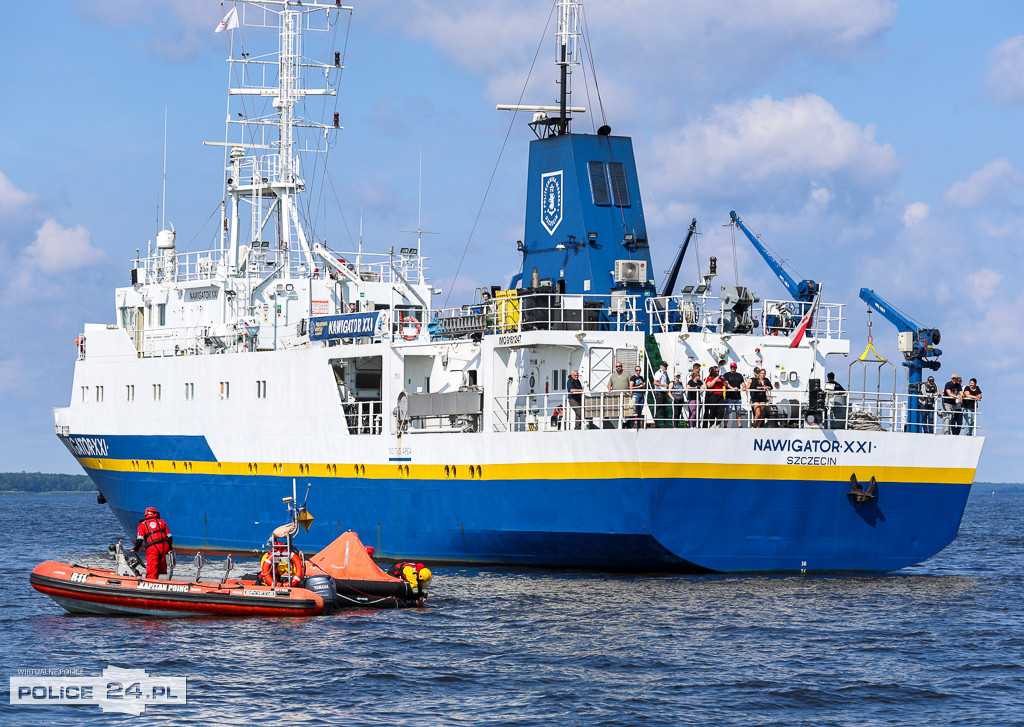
(803, 291)
(674, 273)
(916, 343)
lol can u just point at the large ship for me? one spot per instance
(460, 435)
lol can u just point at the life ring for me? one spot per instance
(296, 569)
(410, 320)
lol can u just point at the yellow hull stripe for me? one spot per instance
(541, 471)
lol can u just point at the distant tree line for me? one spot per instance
(43, 482)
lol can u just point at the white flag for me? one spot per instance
(229, 22)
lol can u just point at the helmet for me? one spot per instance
(150, 512)
(370, 550)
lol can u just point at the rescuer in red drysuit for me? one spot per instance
(154, 535)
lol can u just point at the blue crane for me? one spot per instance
(803, 291)
(918, 346)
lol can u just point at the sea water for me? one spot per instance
(940, 643)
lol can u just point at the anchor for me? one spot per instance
(857, 493)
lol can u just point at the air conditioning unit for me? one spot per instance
(630, 271)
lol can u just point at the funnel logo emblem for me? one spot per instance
(551, 201)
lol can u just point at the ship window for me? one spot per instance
(620, 191)
(157, 391)
(261, 389)
(225, 389)
(190, 391)
(598, 183)
(129, 392)
(161, 314)
(85, 394)
(99, 393)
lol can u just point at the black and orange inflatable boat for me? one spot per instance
(359, 581)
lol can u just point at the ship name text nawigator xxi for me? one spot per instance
(459, 435)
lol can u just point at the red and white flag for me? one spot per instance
(229, 22)
(806, 321)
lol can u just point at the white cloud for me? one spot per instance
(718, 49)
(12, 199)
(993, 183)
(59, 249)
(820, 197)
(778, 148)
(983, 284)
(915, 213)
(1005, 80)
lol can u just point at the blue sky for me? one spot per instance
(871, 143)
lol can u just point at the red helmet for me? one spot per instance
(150, 512)
(370, 550)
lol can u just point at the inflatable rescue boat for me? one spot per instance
(82, 589)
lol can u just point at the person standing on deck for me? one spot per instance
(952, 396)
(835, 399)
(693, 386)
(575, 398)
(971, 397)
(677, 390)
(638, 386)
(760, 389)
(619, 381)
(926, 404)
(661, 411)
(733, 395)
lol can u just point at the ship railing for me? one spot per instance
(380, 267)
(781, 317)
(539, 312)
(178, 267)
(694, 313)
(785, 409)
(364, 417)
(173, 341)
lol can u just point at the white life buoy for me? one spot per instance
(407, 323)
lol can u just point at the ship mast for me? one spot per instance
(265, 172)
(567, 41)
(567, 37)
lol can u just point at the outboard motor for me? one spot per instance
(324, 586)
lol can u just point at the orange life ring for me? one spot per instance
(288, 573)
(413, 321)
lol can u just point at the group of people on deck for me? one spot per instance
(959, 405)
(716, 400)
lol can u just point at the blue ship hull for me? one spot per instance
(650, 524)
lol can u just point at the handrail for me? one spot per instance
(786, 408)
